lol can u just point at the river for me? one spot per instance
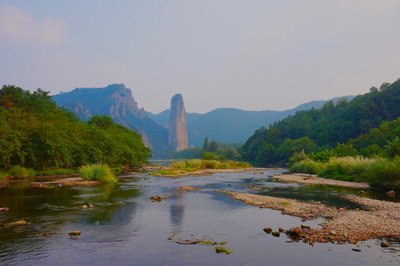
(122, 226)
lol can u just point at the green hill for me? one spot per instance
(35, 133)
(325, 127)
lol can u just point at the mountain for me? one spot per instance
(178, 139)
(116, 101)
(325, 127)
(230, 125)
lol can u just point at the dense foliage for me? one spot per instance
(35, 133)
(316, 130)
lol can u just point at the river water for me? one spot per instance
(125, 228)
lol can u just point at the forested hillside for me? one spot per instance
(320, 128)
(35, 133)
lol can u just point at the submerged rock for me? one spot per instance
(281, 229)
(268, 230)
(18, 223)
(385, 244)
(276, 234)
(157, 198)
(221, 249)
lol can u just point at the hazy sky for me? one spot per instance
(247, 54)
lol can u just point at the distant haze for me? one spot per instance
(253, 55)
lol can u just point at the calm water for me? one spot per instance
(125, 228)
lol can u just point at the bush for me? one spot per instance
(21, 172)
(99, 172)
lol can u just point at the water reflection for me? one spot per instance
(177, 209)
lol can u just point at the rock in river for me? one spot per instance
(391, 193)
(268, 230)
(74, 233)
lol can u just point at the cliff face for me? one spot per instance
(177, 138)
(116, 101)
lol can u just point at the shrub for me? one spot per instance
(21, 172)
(99, 172)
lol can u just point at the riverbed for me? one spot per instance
(120, 225)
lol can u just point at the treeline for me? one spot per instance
(322, 130)
(35, 133)
(211, 150)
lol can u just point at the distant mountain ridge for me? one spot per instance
(227, 125)
(231, 125)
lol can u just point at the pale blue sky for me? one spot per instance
(252, 55)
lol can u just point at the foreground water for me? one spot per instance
(125, 228)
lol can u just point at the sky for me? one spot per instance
(252, 55)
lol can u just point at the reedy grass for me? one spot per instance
(21, 172)
(99, 172)
(187, 166)
(378, 172)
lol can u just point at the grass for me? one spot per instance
(199, 164)
(193, 165)
(98, 172)
(3, 175)
(378, 172)
(21, 172)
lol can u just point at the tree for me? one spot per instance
(213, 146)
(206, 146)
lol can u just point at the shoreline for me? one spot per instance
(375, 219)
(315, 180)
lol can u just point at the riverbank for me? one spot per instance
(374, 218)
(50, 181)
(315, 180)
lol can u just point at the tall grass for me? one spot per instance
(307, 166)
(3, 175)
(99, 172)
(378, 172)
(347, 168)
(21, 172)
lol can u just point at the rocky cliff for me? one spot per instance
(177, 130)
(116, 101)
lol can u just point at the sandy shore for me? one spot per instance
(315, 180)
(376, 219)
